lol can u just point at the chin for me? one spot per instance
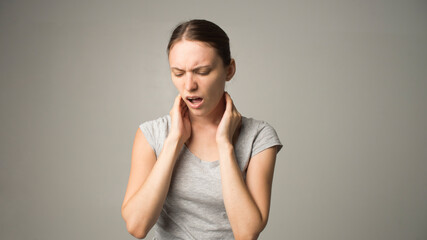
(200, 112)
(197, 112)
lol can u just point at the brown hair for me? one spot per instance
(203, 31)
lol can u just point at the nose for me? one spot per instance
(190, 82)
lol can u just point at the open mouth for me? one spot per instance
(195, 100)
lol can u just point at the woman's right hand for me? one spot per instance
(180, 120)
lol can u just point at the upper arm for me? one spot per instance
(142, 161)
(259, 179)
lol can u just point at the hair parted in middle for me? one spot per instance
(203, 31)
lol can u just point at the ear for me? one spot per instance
(231, 69)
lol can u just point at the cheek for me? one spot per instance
(217, 81)
(220, 82)
(216, 89)
(176, 83)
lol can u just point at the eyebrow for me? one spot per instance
(195, 69)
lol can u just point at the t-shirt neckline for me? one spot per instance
(207, 163)
(216, 162)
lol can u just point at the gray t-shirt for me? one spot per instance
(194, 207)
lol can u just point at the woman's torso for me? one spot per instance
(194, 207)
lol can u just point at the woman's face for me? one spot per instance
(199, 75)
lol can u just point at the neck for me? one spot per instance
(211, 119)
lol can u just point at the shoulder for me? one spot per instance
(255, 125)
(158, 122)
(152, 127)
(261, 133)
(156, 131)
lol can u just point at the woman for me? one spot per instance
(203, 171)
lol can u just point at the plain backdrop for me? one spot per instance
(344, 83)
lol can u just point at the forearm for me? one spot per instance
(244, 216)
(143, 208)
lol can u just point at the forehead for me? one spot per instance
(189, 54)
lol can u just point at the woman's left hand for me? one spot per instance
(230, 122)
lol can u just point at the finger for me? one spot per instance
(184, 109)
(177, 101)
(232, 103)
(186, 113)
(228, 102)
(183, 106)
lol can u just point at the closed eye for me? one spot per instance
(178, 73)
(203, 72)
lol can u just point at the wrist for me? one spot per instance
(224, 146)
(174, 140)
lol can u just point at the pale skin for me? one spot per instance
(209, 133)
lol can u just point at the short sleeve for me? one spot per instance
(156, 131)
(266, 137)
(148, 131)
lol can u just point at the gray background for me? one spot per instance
(344, 83)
